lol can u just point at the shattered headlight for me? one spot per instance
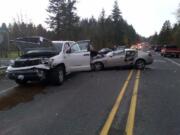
(51, 62)
(45, 61)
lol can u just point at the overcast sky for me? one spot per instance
(147, 16)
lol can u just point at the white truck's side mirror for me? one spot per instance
(68, 50)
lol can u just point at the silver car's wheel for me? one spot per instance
(92, 67)
(98, 66)
(140, 64)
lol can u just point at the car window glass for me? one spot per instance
(84, 46)
(118, 53)
(130, 53)
(58, 46)
(66, 47)
(75, 48)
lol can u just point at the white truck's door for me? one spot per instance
(77, 59)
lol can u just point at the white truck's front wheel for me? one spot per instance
(21, 82)
(57, 75)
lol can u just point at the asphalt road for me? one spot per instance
(89, 102)
(158, 106)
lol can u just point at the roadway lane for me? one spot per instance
(176, 60)
(158, 105)
(78, 107)
(83, 103)
(6, 83)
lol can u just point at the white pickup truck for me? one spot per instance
(51, 65)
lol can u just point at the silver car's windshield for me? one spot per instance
(109, 54)
(119, 52)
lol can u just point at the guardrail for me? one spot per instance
(4, 62)
(3, 68)
(2, 71)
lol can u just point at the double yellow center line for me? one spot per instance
(131, 116)
(132, 111)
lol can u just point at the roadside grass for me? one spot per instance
(2, 73)
(13, 54)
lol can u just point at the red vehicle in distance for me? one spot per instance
(170, 50)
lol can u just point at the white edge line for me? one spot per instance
(8, 89)
(178, 64)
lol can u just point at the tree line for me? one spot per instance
(65, 24)
(103, 32)
(169, 34)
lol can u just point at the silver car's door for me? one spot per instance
(116, 59)
(130, 56)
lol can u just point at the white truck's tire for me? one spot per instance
(57, 75)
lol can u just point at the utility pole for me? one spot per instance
(4, 42)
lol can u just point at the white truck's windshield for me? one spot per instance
(58, 46)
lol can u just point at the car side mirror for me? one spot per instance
(68, 50)
(110, 55)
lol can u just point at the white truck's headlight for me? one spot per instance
(51, 61)
(12, 62)
(47, 61)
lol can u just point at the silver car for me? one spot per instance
(138, 59)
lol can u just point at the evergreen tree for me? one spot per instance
(4, 27)
(165, 36)
(63, 19)
(65, 25)
(154, 39)
(72, 20)
(30, 29)
(4, 33)
(56, 10)
(177, 35)
(14, 31)
(116, 13)
(102, 17)
(40, 31)
(101, 29)
(178, 13)
(118, 25)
